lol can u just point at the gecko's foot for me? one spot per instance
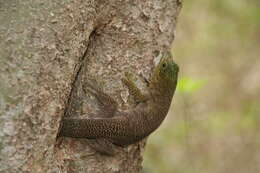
(102, 146)
(147, 82)
(93, 87)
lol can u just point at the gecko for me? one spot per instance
(126, 127)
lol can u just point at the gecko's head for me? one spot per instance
(167, 70)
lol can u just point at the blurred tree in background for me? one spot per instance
(214, 124)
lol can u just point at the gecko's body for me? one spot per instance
(123, 128)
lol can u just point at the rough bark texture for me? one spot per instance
(48, 50)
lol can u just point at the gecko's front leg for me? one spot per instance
(128, 81)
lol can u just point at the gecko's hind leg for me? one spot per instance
(107, 104)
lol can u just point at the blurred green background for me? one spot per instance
(214, 123)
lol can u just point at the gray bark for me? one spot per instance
(48, 50)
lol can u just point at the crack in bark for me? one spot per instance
(82, 63)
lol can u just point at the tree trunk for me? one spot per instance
(48, 50)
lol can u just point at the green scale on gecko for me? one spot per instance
(130, 126)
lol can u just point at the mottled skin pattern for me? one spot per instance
(124, 128)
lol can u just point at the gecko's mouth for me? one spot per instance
(175, 69)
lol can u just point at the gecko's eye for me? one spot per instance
(164, 65)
